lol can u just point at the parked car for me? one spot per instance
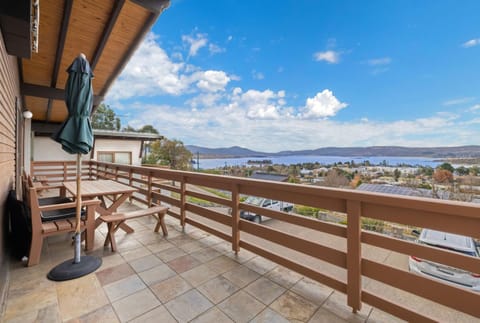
(453, 242)
(266, 203)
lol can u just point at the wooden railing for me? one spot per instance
(362, 277)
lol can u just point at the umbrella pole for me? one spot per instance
(78, 210)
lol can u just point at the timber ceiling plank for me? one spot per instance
(59, 111)
(129, 24)
(88, 21)
(38, 69)
(38, 106)
(62, 35)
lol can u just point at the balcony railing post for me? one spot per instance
(183, 201)
(149, 197)
(235, 218)
(354, 255)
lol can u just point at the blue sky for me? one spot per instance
(288, 75)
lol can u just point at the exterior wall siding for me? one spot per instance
(9, 93)
(46, 149)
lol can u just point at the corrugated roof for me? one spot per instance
(400, 190)
(270, 177)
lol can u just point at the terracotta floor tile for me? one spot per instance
(170, 254)
(241, 307)
(241, 276)
(217, 289)
(183, 263)
(80, 296)
(124, 287)
(204, 255)
(157, 315)
(260, 265)
(312, 291)
(145, 263)
(159, 246)
(191, 246)
(135, 305)
(212, 315)
(264, 290)
(47, 314)
(136, 253)
(283, 276)
(188, 306)
(30, 302)
(336, 304)
(222, 264)
(199, 275)
(112, 274)
(112, 260)
(105, 314)
(294, 307)
(156, 274)
(170, 288)
(269, 315)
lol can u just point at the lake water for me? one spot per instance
(324, 160)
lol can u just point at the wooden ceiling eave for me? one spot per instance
(97, 41)
(58, 55)
(146, 27)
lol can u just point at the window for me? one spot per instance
(118, 157)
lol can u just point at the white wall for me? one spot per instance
(46, 149)
(122, 145)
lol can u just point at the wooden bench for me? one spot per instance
(116, 219)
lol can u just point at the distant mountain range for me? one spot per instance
(390, 151)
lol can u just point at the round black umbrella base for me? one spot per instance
(69, 270)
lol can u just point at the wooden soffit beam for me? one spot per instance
(50, 92)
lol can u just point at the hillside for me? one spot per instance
(391, 151)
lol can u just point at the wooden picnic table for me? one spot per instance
(100, 189)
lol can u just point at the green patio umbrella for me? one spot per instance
(76, 137)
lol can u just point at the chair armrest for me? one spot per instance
(50, 207)
(47, 187)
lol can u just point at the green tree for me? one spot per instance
(169, 152)
(462, 171)
(105, 118)
(426, 170)
(447, 166)
(129, 128)
(396, 174)
(474, 170)
(148, 129)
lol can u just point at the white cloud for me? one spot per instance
(330, 56)
(229, 38)
(257, 75)
(379, 61)
(476, 107)
(471, 43)
(323, 105)
(458, 101)
(195, 42)
(256, 104)
(225, 126)
(212, 81)
(215, 49)
(150, 72)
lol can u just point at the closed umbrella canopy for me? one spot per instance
(76, 137)
(76, 134)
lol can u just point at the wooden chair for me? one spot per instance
(53, 219)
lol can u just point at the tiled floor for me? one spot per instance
(184, 277)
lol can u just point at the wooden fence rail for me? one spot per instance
(180, 190)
